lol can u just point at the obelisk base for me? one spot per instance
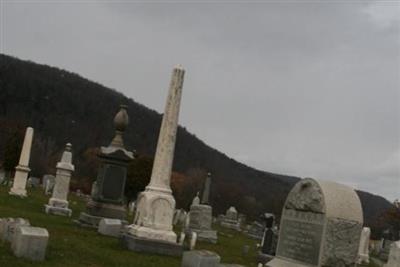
(19, 184)
(155, 212)
(152, 230)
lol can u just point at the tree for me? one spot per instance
(139, 173)
(12, 150)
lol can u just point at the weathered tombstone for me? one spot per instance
(30, 243)
(48, 182)
(10, 226)
(201, 217)
(196, 200)
(230, 220)
(22, 170)
(363, 250)
(387, 239)
(231, 214)
(152, 229)
(256, 230)
(33, 182)
(58, 203)
(110, 227)
(200, 222)
(108, 198)
(267, 244)
(200, 258)
(394, 255)
(320, 226)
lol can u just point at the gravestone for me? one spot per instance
(33, 182)
(267, 244)
(10, 226)
(110, 227)
(255, 230)
(47, 180)
(30, 243)
(107, 200)
(200, 222)
(394, 255)
(200, 258)
(230, 220)
(201, 216)
(363, 250)
(58, 203)
(320, 226)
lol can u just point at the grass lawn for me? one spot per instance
(71, 245)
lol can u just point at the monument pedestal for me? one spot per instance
(58, 207)
(19, 184)
(151, 246)
(97, 211)
(155, 212)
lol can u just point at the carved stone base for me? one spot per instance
(151, 246)
(152, 234)
(18, 192)
(58, 210)
(154, 215)
(19, 183)
(106, 210)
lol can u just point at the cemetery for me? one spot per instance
(90, 177)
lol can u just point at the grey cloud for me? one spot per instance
(309, 89)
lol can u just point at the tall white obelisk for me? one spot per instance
(156, 205)
(22, 170)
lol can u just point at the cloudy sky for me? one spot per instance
(305, 88)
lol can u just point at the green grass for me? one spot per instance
(71, 245)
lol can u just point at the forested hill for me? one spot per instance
(64, 107)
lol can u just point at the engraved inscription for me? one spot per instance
(113, 182)
(300, 237)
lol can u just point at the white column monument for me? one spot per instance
(156, 205)
(58, 203)
(22, 170)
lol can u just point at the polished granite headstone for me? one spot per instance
(107, 200)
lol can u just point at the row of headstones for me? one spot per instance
(26, 241)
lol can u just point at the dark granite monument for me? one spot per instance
(107, 200)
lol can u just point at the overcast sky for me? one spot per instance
(305, 88)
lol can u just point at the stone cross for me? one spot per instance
(22, 170)
(206, 191)
(58, 203)
(156, 205)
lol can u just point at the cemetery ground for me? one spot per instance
(71, 245)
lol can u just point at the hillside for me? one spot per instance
(64, 107)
